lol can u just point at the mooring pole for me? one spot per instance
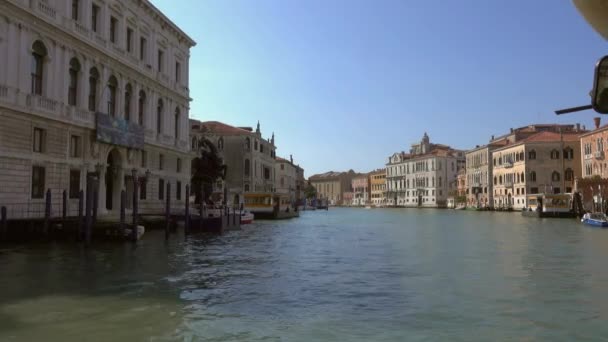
(123, 204)
(168, 210)
(3, 220)
(64, 211)
(80, 216)
(187, 214)
(135, 211)
(87, 213)
(95, 198)
(200, 221)
(47, 211)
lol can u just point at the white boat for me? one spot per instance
(246, 217)
(368, 207)
(140, 232)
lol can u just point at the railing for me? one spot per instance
(588, 156)
(99, 40)
(80, 28)
(46, 9)
(117, 49)
(598, 154)
(41, 103)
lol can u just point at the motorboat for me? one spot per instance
(246, 217)
(595, 219)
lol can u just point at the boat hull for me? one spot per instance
(280, 215)
(595, 223)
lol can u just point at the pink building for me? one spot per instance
(361, 190)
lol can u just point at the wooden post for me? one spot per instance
(3, 220)
(64, 211)
(135, 209)
(187, 213)
(123, 204)
(95, 198)
(168, 210)
(47, 211)
(87, 212)
(200, 221)
(80, 216)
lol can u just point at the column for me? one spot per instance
(102, 190)
(83, 84)
(24, 61)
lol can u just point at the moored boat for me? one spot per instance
(549, 205)
(267, 205)
(595, 219)
(246, 217)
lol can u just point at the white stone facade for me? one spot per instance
(286, 174)
(63, 61)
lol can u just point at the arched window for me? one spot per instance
(220, 143)
(246, 187)
(522, 177)
(555, 176)
(39, 52)
(176, 121)
(569, 175)
(500, 179)
(533, 176)
(141, 106)
(93, 82)
(128, 97)
(555, 154)
(247, 143)
(159, 116)
(568, 153)
(494, 180)
(112, 87)
(521, 156)
(73, 86)
(247, 167)
(532, 154)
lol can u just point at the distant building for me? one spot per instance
(479, 165)
(100, 97)
(289, 179)
(332, 185)
(545, 162)
(361, 190)
(593, 149)
(377, 184)
(249, 158)
(424, 177)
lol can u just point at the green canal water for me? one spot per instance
(337, 275)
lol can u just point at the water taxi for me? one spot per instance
(266, 205)
(246, 217)
(595, 219)
(549, 205)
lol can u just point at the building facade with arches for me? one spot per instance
(545, 162)
(92, 89)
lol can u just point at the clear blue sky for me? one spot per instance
(345, 83)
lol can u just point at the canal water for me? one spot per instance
(337, 275)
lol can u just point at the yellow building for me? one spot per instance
(377, 181)
(546, 162)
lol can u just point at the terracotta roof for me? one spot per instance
(552, 137)
(597, 130)
(222, 128)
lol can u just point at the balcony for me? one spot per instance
(41, 103)
(598, 155)
(507, 184)
(507, 165)
(588, 156)
(47, 10)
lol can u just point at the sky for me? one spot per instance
(343, 84)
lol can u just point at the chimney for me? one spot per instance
(492, 138)
(578, 127)
(596, 121)
(511, 130)
(291, 158)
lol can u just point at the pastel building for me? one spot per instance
(377, 184)
(333, 185)
(424, 177)
(361, 190)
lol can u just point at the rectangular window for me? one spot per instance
(144, 157)
(160, 60)
(37, 182)
(74, 183)
(75, 148)
(161, 161)
(39, 137)
(178, 191)
(179, 165)
(267, 173)
(142, 48)
(129, 40)
(113, 25)
(75, 10)
(161, 189)
(143, 190)
(94, 17)
(533, 190)
(178, 71)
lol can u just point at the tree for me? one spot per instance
(310, 191)
(206, 169)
